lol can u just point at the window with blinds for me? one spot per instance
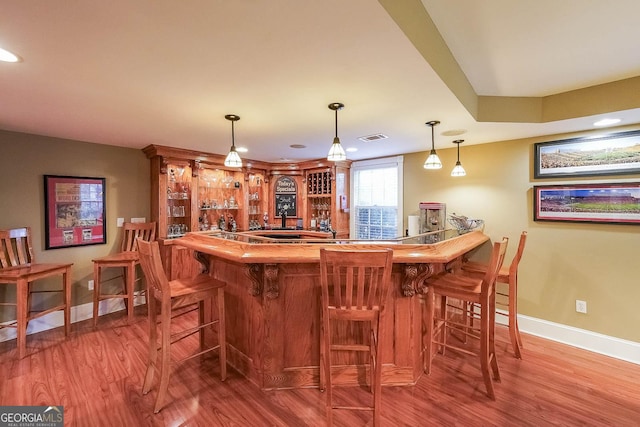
(376, 199)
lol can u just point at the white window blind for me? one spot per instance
(376, 199)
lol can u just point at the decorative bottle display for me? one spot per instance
(178, 200)
(218, 191)
(320, 208)
(255, 199)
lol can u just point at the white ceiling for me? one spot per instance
(133, 73)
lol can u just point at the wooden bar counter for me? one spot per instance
(273, 302)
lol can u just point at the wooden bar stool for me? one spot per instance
(173, 295)
(127, 259)
(467, 290)
(18, 265)
(507, 274)
(355, 287)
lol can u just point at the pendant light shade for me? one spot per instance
(433, 161)
(233, 159)
(336, 153)
(458, 170)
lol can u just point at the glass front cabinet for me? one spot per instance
(195, 192)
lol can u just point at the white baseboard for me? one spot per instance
(581, 338)
(78, 314)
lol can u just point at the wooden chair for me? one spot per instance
(467, 290)
(18, 265)
(509, 275)
(127, 259)
(355, 287)
(171, 296)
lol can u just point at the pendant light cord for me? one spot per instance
(233, 135)
(432, 138)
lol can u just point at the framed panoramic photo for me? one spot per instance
(605, 203)
(613, 154)
(74, 211)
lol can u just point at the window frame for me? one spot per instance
(382, 163)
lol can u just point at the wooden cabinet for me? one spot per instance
(194, 191)
(179, 200)
(326, 195)
(172, 201)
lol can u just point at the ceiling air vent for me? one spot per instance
(373, 137)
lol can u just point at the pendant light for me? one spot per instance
(233, 159)
(458, 170)
(336, 153)
(433, 161)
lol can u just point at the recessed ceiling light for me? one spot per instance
(242, 149)
(7, 56)
(297, 146)
(351, 150)
(606, 122)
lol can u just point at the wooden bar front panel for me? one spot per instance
(274, 337)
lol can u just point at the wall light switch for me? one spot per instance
(138, 220)
(120, 222)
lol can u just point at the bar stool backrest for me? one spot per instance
(16, 247)
(132, 231)
(151, 263)
(355, 280)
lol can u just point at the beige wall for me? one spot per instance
(562, 262)
(25, 158)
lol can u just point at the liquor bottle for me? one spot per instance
(314, 224)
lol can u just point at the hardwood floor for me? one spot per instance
(97, 376)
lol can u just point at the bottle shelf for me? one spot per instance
(319, 183)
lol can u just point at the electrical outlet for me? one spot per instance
(581, 306)
(90, 285)
(120, 222)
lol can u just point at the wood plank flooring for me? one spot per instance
(97, 376)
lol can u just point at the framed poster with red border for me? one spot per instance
(74, 211)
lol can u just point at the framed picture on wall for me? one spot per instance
(617, 203)
(74, 211)
(612, 154)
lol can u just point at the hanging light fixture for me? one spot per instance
(433, 161)
(336, 153)
(233, 159)
(458, 170)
